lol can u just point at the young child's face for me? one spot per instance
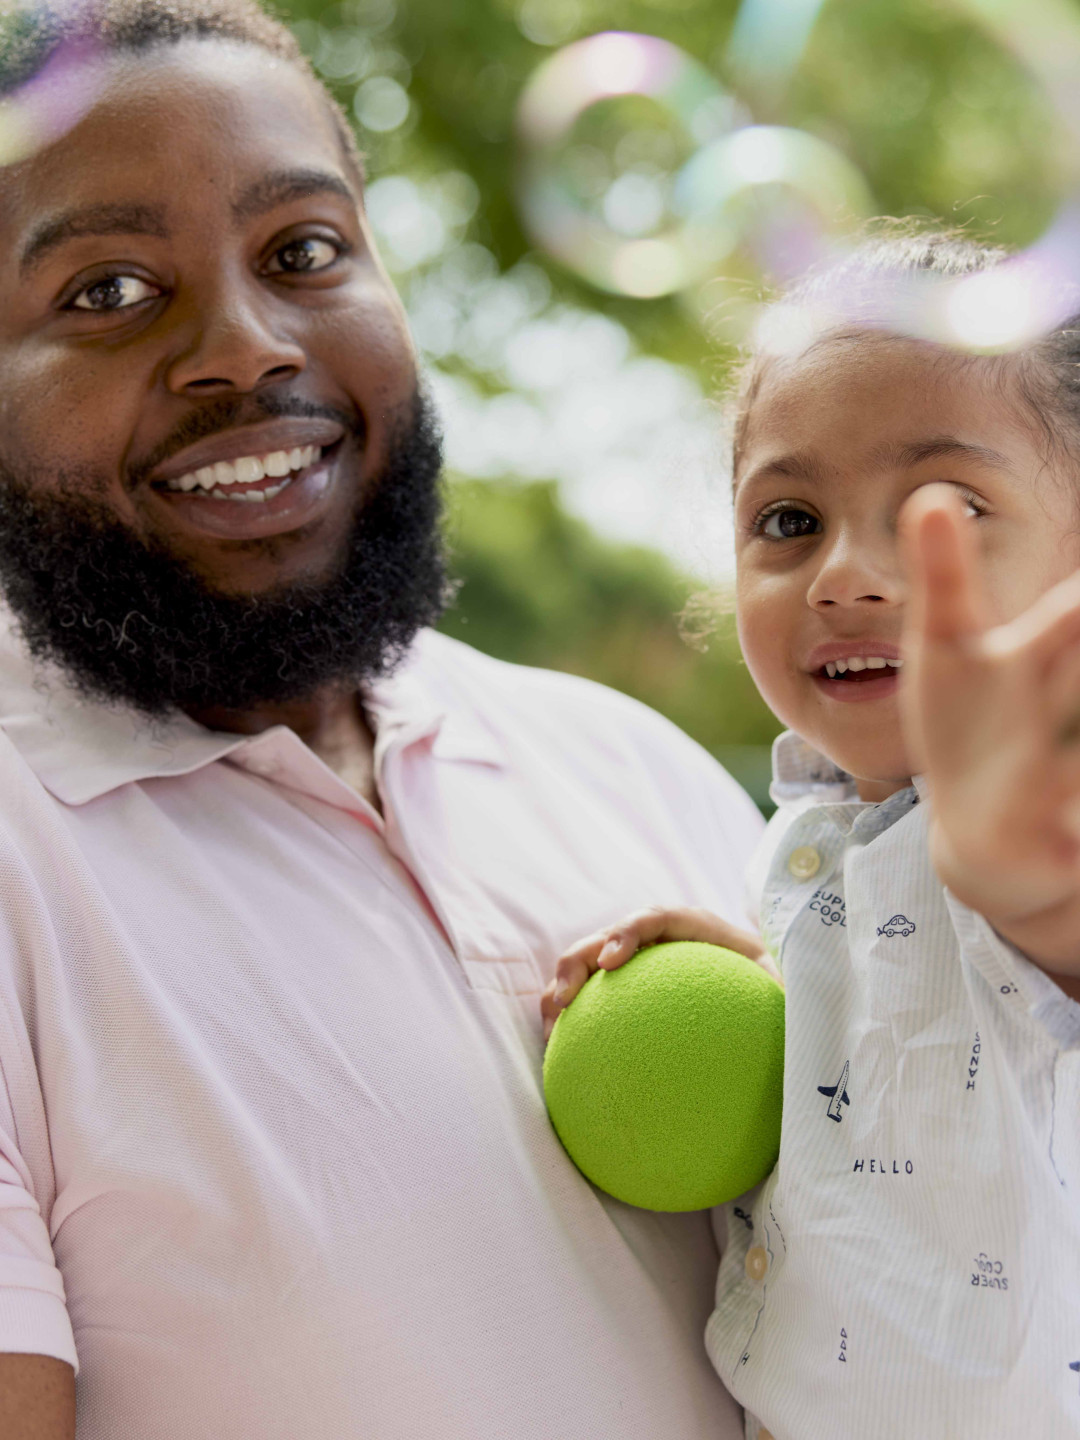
(836, 441)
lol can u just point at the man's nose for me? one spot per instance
(230, 341)
(856, 571)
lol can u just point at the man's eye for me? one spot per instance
(115, 292)
(790, 524)
(308, 254)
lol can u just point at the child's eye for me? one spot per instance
(788, 523)
(975, 506)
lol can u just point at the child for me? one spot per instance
(911, 1268)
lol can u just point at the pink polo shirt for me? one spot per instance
(274, 1159)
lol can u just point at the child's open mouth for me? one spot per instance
(859, 677)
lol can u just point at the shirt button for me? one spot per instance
(757, 1262)
(804, 862)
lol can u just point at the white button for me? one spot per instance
(757, 1262)
(804, 863)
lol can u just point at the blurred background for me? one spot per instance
(580, 250)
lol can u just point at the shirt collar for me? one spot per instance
(81, 748)
(801, 772)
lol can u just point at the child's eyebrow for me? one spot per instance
(800, 465)
(805, 466)
(939, 447)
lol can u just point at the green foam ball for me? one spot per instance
(664, 1078)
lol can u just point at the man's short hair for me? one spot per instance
(30, 33)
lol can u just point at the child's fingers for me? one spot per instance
(608, 949)
(944, 604)
(572, 970)
(659, 925)
(575, 965)
(1048, 630)
(548, 1011)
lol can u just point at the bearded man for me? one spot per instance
(283, 872)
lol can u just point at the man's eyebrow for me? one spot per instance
(939, 447)
(104, 219)
(281, 186)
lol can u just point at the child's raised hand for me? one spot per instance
(992, 718)
(609, 948)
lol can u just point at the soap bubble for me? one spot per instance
(53, 100)
(648, 198)
(605, 125)
(49, 105)
(782, 196)
(784, 193)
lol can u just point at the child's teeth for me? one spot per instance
(855, 663)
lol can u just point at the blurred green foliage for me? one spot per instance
(938, 117)
(541, 588)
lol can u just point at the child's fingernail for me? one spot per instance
(561, 990)
(609, 949)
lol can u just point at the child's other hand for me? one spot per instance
(609, 948)
(992, 718)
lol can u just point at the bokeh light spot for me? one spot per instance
(381, 104)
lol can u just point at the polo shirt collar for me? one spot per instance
(82, 748)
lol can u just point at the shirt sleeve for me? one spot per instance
(1012, 974)
(33, 1314)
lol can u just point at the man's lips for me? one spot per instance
(302, 499)
(265, 438)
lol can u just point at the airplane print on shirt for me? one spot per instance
(837, 1094)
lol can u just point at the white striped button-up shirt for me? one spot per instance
(911, 1268)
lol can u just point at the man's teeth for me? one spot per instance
(279, 464)
(860, 662)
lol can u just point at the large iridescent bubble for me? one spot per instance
(649, 221)
(783, 194)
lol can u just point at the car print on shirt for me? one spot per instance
(898, 925)
(1074, 1364)
(837, 1094)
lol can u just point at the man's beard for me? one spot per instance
(130, 623)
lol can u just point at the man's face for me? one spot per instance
(186, 279)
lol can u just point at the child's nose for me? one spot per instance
(855, 574)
